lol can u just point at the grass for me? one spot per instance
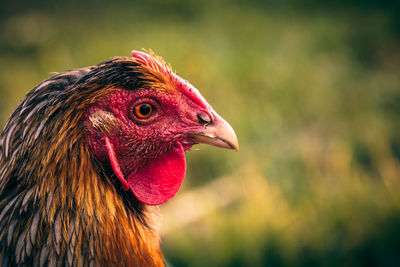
(313, 96)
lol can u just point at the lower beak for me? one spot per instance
(218, 133)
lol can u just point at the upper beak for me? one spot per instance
(218, 133)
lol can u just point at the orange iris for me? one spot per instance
(143, 111)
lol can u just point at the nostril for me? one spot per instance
(204, 119)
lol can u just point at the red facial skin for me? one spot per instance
(149, 152)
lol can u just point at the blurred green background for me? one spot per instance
(312, 89)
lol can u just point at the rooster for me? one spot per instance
(88, 154)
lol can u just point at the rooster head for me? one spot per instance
(146, 122)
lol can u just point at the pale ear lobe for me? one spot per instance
(104, 122)
(115, 163)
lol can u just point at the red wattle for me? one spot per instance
(115, 164)
(161, 179)
(158, 181)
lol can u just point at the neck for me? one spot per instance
(57, 203)
(74, 214)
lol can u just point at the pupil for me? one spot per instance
(145, 109)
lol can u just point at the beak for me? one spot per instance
(218, 133)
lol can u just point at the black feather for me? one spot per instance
(28, 245)
(57, 233)
(19, 247)
(34, 227)
(10, 231)
(44, 254)
(7, 208)
(27, 197)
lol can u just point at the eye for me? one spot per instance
(143, 110)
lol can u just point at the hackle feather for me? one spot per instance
(58, 204)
